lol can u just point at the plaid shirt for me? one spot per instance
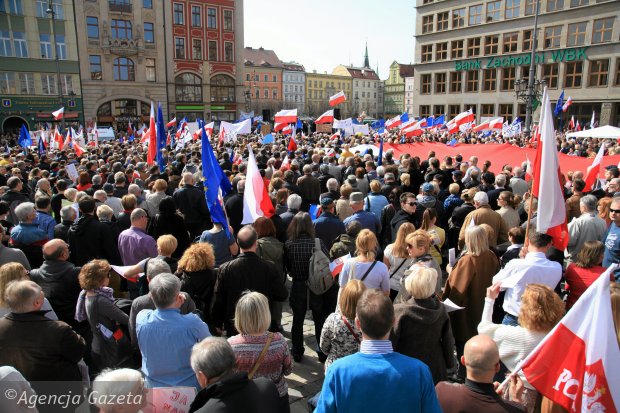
(297, 256)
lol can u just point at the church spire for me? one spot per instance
(366, 62)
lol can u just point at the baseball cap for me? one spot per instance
(326, 201)
(428, 187)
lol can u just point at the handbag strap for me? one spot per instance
(368, 271)
(346, 323)
(398, 268)
(260, 357)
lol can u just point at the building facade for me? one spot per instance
(30, 87)
(395, 88)
(469, 54)
(319, 88)
(262, 82)
(409, 94)
(294, 87)
(367, 88)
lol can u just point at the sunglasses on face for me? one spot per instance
(412, 204)
(615, 211)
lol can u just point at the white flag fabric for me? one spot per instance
(363, 129)
(253, 194)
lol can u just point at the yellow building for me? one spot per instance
(320, 86)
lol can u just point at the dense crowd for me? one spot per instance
(117, 280)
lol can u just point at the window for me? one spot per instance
(266, 78)
(49, 84)
(213, 51)
(228, 52)
(440, 83)
(512, 8)
(274, 93)
(491, 44)
(427, 24)
(228, 20)
(124, 69)
(511, 42)
(196, 49)
(455, 82)
(602, 30)
(6, 48)
(473, 47)
(196, 16)
(222, 89)
(425, 111)
(26, 83)
(475, 14)
(572, 77)
(489, 80)
(150, 70)
(426, 84)
(46, 46)
(427, 53)
(493, 11)
(576, 34)
(438, 110)
(552, 36)
(147, 4)
(188, 88)
(7, 82)
(275, 79)
(487, 110)
(177, 13)
(454, 110)
(525, 73)
(42, 6)
(66, 84)
(550, 74)
(121, 29)
(441, 52)
(599, 71)
(149, 33)
(555, 5)
(617, 72)
(458, 18)
(457, 49)
(20, 45)
(15, 7)
(211, 18)
(266, 93)
(442, 20)
(95, 67)
(61, 47)
(505, 111)
(577, 3)
(92, 27)
(530, 7)
(527, 40)
(179, 48)
(508, 78)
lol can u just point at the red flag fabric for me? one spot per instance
(594, 169)
(79, 151)
(337, 98)
(152, 139)
(292, 145)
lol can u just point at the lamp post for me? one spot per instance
(52, 13)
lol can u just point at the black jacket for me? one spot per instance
(237, 393)
(173, 225)
(90, 239)
(61, 230)
(13, 198)
(400, 217)
(234, 210)
(192, 203)
(59, 281)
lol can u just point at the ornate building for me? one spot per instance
(263, 72)
(395, 88)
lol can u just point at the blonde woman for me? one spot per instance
(15, 271)
(419, 246)
(364, 266)
(396, 258)
(259, 352)
(438, 234)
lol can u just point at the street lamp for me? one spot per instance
(52, 13)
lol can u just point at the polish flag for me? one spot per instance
(547, 187)
(286, 164)
(412, 130)
(277, 127)
(571, 124)
(292, 145)
(483, 126)
(567, 104)
(59, 113)
(594, 170)
(422, 123)
(172, 123)
(327, 117)
(584, 376)
(337, 98)
(286, 116)
(593, 120)
(335, 136)
(256, 200)
(408, 124)
(577, 126)
(79, 151)
(463, 118)
(68, 140)
(198, 133)
(58, 138)
(151, 136)
(529, 172)
(222, 136)
(336, 266)
(95, 141)
(129, 129)
(496, 123)
(452, 126)
(394, 122)
(287, 130)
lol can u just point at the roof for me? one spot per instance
(362, 73)
(261, 57)
(405, 70)
(295, 67)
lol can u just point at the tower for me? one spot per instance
(366, 62)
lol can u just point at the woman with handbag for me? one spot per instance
(396, 257)
(364, 266)
(111, 346)
(259, 352)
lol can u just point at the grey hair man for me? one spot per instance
(120, 390)
(293, 202)
(27, 233)
(483, 214)
(68, 215)
(166, 331)
(588, 227)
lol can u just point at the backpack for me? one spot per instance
(320, 277)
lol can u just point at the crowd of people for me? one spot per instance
(118, 281)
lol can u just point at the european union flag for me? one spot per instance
(24, 140)
(439, 120)
(380, 159)
(299, 125)
(404, 117)
(378, 124)
(267, 139)
(161, 139)
(41, 146)
(559, 104)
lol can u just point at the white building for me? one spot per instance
(409, 95)
(293, 85)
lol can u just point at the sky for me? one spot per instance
(321, 34)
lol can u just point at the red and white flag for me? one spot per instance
(529, 173)
(571, 124)
(412, 130)
(594, 170)
(547, 187)
(256, 200)
(286, 164)
(288, 130)
(151, 136)
(286, 116)
(336, 266)
(577, 126)
(327, 117)
(394, 122)
(337, 98)
(584, 375)
(277, 127)
(496, 123)
(452, 126)
(292, 143)
(172, 123)
(463, 118)
(59, 113)
(567, 104)
(79, 151)
(58, 138)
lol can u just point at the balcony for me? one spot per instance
(122, 47)
(122, 6)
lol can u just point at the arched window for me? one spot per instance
(222, 89)
(124, 69)
(188, 88)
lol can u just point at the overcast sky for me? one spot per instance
(321, 34)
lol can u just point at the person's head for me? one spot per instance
(212, 359)
(578, 185)
(301, 224)
(264, 227)
(345, 191)
(454, 189)
(541, 308)
(104, 213)
(119, 391)
(56, 250)
(155, 267)
(590, 255)
(399, 248)
(246, 238)
(418, 243)
(68, 214)
(408, 202)
(539, 242)
(481, 199)
(374, 315)
(356, 201)
(429, 218)
(83, 178)
(12, 271)
(25, 212)
(160, 185)
(588, 204)
(129, 202)
(86, 205)
(516, 235)
(14, 183)
(481, 358)
(375, 186)
(332, 184)
(293, 202)
(349, 297)
(44, 184)
(23, 296)
(167, 207)
(188, 178)
(252, 314)
(327, 204)
(353, 228)
(476, 240)
(95, 274)
(421, 282)
(165, 291)
(197, 257)
(614, 210)
(139, 218)
(366, 244)
(166, 245)
(506, 199)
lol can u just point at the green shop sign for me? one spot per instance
(556, 56)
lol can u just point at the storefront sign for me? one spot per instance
(556, 56)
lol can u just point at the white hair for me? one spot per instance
(113, 386)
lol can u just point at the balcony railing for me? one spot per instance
(120, 6)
